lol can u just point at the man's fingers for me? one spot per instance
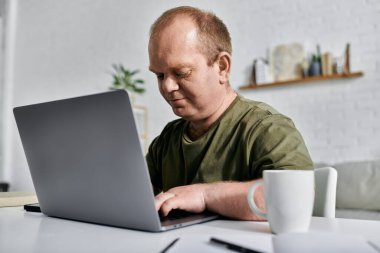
(161, 198)
(169, 205)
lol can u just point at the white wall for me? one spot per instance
(338, 119)
(2, 13)
(8, 13)
(66, 48)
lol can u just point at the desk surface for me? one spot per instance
(21, 231)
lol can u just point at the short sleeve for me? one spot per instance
(277, 144)
(152, 160)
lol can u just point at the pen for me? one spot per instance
(374, 246)
(169, 246)
(232, 246)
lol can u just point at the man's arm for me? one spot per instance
(225, 198)
(275, 144)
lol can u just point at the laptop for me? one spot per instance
(87, 163)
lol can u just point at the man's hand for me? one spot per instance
(225, 198)
(190, 198)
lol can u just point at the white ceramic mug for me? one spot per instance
(289, 199)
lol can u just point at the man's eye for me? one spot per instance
(160, 76)
(184, 74)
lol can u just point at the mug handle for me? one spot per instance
(251, 200)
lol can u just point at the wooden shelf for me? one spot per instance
(302, 80)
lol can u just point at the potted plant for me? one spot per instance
(124, 79)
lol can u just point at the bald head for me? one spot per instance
(178, 34)
(211, 32)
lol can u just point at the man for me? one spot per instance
(210, 157)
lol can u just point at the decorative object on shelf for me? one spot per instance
(286, 61)
(327, 64)
(346, 68)
(339, 65)
(315, 64)
(262, 73)
(320, 67)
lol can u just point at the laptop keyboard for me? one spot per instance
(175, 215)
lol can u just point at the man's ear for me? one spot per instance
(224, 67)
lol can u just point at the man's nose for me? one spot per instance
(169, 85)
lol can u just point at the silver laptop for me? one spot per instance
(87, 163)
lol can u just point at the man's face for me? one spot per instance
(188, 84)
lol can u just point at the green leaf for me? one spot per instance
(134, 72)
(139, 81)
(123, 79)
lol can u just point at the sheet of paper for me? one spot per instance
(321, 242)
(284, 243)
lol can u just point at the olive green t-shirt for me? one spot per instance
(248, 138)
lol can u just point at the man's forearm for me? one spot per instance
(226, 198)
(230, 199)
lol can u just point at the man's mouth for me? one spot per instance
(176, 102)
(172, 99)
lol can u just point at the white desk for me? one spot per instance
(34, 232)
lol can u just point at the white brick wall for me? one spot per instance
(338, 119)
(66, 48)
